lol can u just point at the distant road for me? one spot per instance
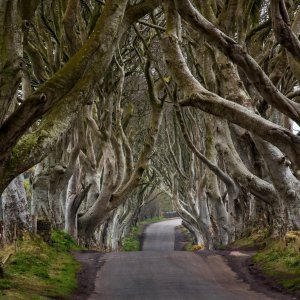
(159, 273)
(161, 236)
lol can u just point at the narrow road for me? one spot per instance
(159, 273)
(161, 236)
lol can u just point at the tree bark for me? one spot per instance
(15, 209)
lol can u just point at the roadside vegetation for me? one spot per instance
(39, 270)
(187, 240)
(257, 239)
(196, 109)
(278, 260)
(132, 242)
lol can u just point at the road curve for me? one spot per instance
(158, 273)
(160, 236)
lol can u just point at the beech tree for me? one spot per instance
(204, 96)
(100, 98)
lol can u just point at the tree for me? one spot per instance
(83, 106)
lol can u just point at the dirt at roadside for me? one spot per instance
(91, 262)
(181, 239)
(239, 259)
(241, 263)
(142, 237)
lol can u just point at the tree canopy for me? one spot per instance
(108, 105)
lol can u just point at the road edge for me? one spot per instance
(91, 262)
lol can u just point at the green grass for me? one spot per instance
(278, 259)
(281, 261)
(255, 240)
(132, 241)
(244, 242)
(63, 241)
(39, 270)
(151, 220)
(189, 246)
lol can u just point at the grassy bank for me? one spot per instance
(132, 242)
(257, 240)
(188, 240)
(278, 260)
(38, 270)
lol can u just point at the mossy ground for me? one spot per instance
(132, 241)
(281, 262)
(278, 260)
(256, 240)
(38, 270)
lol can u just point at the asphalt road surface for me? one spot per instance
(159, 273)
(161, 236)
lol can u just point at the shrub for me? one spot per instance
(63, 241)
(197, 247)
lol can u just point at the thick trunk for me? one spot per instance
(97, 213)
(117, 227)
(194, 211)
(10, 54)
(15, 209)
(198, 236)
(74, 197)
(238, 171)
(286, 185)
(219, 214)
(56, 215)
(61, 168)
(71, 216)
(40, 187)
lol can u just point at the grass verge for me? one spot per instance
(39, 270)
(132, 242)
(256, 240)
(280, 260)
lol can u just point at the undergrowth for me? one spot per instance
(255, 240)
(190, 241)
(132, 241)
(39, 270)
(280, 260)
(277, 259)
